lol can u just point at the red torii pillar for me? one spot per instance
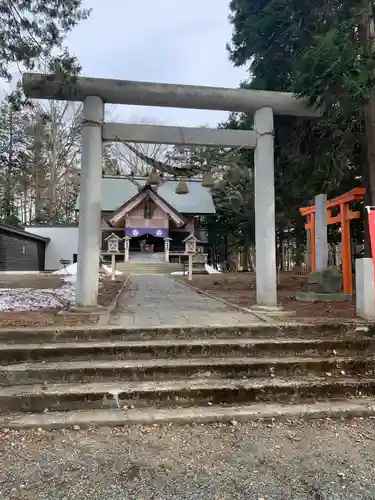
(344, 217)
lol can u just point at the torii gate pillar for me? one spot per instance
(265, 238)
(89, 234)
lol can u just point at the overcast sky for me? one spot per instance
(158, 40)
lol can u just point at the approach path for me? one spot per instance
(159, 300)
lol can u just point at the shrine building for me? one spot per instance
(152, 219)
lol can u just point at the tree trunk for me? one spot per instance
(300, 238)
(246, 255)
(252, 259)
(226, 253)
(280, 250)
(368, 38)
(8, 195)
(37, 171)
(52, 209)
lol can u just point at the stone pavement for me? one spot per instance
(162, 301)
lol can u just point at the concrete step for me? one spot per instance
(89, 375)
(117, 349)
(335, 331)
(149, 272)
(148, 268)
(140, 263)
(181, 368)
(181, 393)
(148, 265)
(153, 269)
(195, 414)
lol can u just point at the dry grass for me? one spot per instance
(240, 289)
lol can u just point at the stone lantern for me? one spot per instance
(190, 249)
(191, 244)
(112, 243)
(112, 248)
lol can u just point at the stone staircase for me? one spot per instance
(148, 268)
(117, 376)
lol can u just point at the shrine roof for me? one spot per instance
(118, 190)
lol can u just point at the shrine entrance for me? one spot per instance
(343, 217)
(95, 92)
(145, 244)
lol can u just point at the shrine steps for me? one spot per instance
(119, 376)
(117, 349)
(148, 268)
(164, 369)
(198, 415)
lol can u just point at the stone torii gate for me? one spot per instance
(95, 92)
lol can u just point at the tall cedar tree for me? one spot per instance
(315, 50)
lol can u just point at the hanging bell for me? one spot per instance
(153, 178)
(208, 180)
(182, 187)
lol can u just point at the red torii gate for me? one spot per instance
(344, 217)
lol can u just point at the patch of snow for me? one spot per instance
(108, 270)
(70, 278)
(71, 270)
(211, 270)
(30, 299)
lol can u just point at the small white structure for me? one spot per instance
(63, 243)
(365, 289)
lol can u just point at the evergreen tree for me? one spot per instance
(313, 50)
(33, 32)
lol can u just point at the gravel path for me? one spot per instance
(322, 460)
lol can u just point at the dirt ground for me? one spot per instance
(240, 289)
(295, 460)
(35, 282)
(53, 317)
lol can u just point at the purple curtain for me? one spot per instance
(158, 232)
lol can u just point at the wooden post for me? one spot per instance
(346, 254)
(113, 277)
(308, 246)
(166, 249)
(312, 236)
(190, 270)
(126, 248)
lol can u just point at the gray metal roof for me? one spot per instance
(21, 232)
(117, 191)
